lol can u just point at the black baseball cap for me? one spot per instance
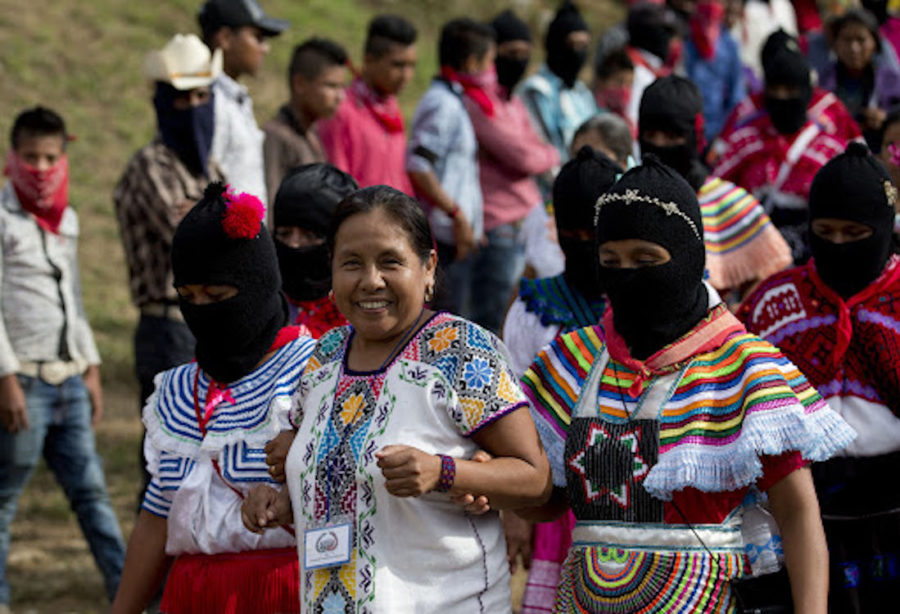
(215, 14)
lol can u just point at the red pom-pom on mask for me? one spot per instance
(243, 216)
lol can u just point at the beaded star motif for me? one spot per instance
(634, 196)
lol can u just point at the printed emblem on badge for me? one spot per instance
(327, 542)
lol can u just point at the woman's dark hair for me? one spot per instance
(37, 121)
(856, 16)
(404, 210)
(613, 63)
(463, 38)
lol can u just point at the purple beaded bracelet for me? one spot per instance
(448, 473)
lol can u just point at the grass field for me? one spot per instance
(84, 58)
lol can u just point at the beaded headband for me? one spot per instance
(633, 196)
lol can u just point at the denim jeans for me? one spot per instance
(60, 428)
(159, 344)
(479, 287)
(497, 267)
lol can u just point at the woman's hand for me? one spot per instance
(276, 453)
(519, 535)
(476, 505)
(265, 508)
(796, 510)
(408, 471)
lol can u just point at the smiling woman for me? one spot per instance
(388, 411)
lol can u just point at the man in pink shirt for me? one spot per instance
(366, 137)
(510, 154)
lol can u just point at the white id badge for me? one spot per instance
(327, 546)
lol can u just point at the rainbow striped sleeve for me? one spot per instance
(553, 383)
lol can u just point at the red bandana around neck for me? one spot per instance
(384, 108)
(474, 87)
(706, 26)
(43, 194)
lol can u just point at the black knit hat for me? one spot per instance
(568, 19)
(509, 27)
(654, 203)
(672, 104)
(579, 184)
(854, 186)
(783, 62)
(222, 241)
(308, 196)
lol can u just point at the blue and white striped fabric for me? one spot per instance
(237, 431)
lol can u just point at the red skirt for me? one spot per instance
(264, 581)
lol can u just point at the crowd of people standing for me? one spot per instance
(638, 335)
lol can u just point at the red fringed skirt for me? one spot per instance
(263, 581)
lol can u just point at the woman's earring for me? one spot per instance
(429, 294)
(331, 295)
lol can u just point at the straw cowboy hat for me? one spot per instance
(185, 63)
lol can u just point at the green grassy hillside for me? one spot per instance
(84, 58)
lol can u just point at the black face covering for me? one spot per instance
(652, 27)
(305, 271)
(307, 198)
(788, 115)
(581, 266)
(674, 105)
(510, 71)
(222, 241)
(188, 132)
(653, 306)
(849, 267)
(233, 335)
(853, 186)
(564, 61)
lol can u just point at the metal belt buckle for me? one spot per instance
(55, 373)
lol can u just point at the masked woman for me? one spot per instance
(743, 247)
(775, 155)
(836, 318)
(304, 204)
(387, 410)
(543, 310)
(657, 430)
(207, 423)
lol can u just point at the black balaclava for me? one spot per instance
(784, 64)
(578, 185)
(564, 61)
(674, 104)
(655, 305)
(307, 198)
(222, 241)
(853, 186)
(652, 27)
(187, 132)
(509, 27)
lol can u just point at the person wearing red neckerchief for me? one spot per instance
(209, 421)
(836, 319)
(366, 136)
(442, 156)
(50, 392)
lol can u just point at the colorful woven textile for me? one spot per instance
(555, 302)
(450, 380)
(619, 581)
(742, 244)
(731, 405)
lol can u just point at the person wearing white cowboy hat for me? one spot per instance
(240, 29)
(157, 188)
